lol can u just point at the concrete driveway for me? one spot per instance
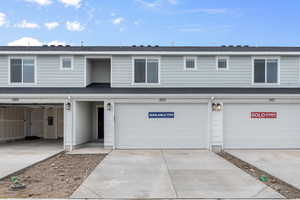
(170, 174)
(283, 164)
(18, 155)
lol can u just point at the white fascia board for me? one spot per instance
(145, 53)
(89, 97)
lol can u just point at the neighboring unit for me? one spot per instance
(152, 97)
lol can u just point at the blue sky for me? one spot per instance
(162, 22)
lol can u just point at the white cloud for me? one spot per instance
(152, 4)
(2, 19)
(118, 20)
(156, 3)
(173, 2)
(206, 10)
(25, 41)
(136, 23)
(29, 41)
(74, 26)
(56, 43)
(25, 24)
(51, 25)
(75, 3)
(40, 2)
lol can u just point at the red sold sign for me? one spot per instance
(264, 115)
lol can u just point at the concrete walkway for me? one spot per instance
(170, 174)
(283, 164)
(15, 156)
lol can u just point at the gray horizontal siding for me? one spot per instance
(172, 73)
(49, 73)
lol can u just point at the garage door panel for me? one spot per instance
(242, 131)
(188, 129)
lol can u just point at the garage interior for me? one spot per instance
(32, 122)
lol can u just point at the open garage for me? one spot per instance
(261, 126)
(31, 121)
(29, 133)
(161, 125)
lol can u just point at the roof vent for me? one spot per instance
(133, 45)
(230, 46)
(223, 46)
(45, 45)
(60, 45)
(156, 45)
(238, 45)
(141, 45)
(52, 45)
(68, 45)
(246, 45)
(149, 46)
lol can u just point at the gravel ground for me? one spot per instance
(57, 177)
(280, 186)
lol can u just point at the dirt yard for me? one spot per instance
(280, 186)
(57, 177)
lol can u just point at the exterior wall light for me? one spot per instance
(108, 106)
(68, 106)
(272, 99)
(216, 107)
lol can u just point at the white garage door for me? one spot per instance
(262, 126)
(161, 126)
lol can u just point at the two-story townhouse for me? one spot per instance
(151, 96)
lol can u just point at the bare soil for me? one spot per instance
(57, 177)
(280, 186)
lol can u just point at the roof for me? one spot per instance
(106, 89)
(153, 48)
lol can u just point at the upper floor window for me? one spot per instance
(66, 62)
(265, 70)
(146, 70)
(22, 70)
(190, 63)
(222, 63)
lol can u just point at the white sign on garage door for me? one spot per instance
(161, 126)
(262, 126)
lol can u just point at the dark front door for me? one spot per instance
(100, 123)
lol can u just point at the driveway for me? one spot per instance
(283, 164)
(170, 174)
(18, 155)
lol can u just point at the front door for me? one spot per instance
(100, 123)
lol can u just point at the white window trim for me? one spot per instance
(22, 83)
(227, 63)
(190, 57)
(61, 62)
(266, 58)
(147, 58)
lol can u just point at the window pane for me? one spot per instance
(259, 71)
(222, 63)
(67, 63)
(15, 70)
(190, 63)
(28, 62)
(272, 71)
(139, 70)
(28, 74)
(152, 71)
